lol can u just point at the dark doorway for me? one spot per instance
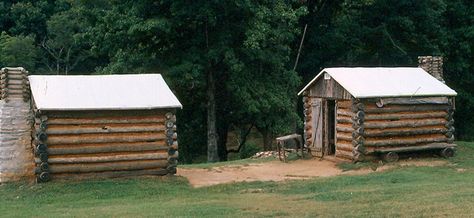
(331, 127)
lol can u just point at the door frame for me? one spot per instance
(320, 133)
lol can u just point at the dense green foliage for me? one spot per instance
(401, 192)
(231, 63)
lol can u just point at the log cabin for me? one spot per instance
(103, 126)
(366, 113)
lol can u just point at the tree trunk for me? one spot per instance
(222, 142)
(212, 154)
(267, 140)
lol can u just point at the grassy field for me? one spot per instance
(405, 191)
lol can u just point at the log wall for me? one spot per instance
(70, 145)
(344, 129)
(395, 125)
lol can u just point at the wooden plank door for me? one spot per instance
(317, 124)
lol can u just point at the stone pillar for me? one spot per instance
(433, 65)
(16, 153)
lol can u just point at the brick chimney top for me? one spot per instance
(433, 65)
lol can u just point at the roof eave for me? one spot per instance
(311, 82)
(405, 96)
(112, 108)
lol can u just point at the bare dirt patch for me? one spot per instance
(279, 171)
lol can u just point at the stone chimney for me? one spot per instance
(433, 65)
(16, 153)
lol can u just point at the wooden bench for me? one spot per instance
(289, 141)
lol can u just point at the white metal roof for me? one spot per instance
(368, 82)
(102, 92)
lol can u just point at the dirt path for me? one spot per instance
(279, 171)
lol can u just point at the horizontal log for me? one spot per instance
(16, 87)
(288, 137)
(399, 116)
(403, 123)
(344, 136)
(405, 108)
(430, 146)
(17, 76)
(412, 101)
(404, 131)
(344, 154)
(108, 114)
(103, 129)
(341, 128)
(112, 166)
(344, 119)
(15, 81)
(15, 91)
(344, 104)
(105, 148)
(408, 141)
(104, 138)
(344, 146)
(106, 120)
(343, 112)
(14, 70)
(102, 158)
(110, 174)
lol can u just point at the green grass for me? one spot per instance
(405, 191)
